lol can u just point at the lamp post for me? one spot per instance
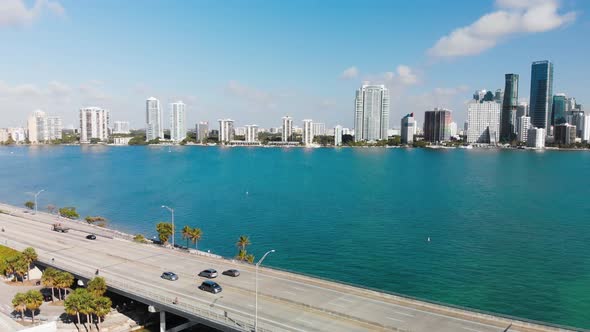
(37, 194)
(172, 212)
(256, 292)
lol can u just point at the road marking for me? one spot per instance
(395, 319)
(337, 304)
(251, 305)
(403, 313)
(344, 300)
(292, 293)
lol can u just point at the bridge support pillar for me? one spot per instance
(162, 321)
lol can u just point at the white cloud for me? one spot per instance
(513, 17)
(16, 12)
(349, 73)
(402, 76)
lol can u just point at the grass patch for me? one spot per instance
(5, 252)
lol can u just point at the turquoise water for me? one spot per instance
(509, 230)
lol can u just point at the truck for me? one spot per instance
(60, 228)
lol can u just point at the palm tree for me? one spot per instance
(243, 242)
(241, 255)
(64, 280)
(21, 267)
(195, 235)
(87, 307)
(29, 255)
(73, 304)
(250, 258)
(49, 279)
(102, 307)
(11, 263)
(164, 230)
(34, 300)
(186, 233)
(30, 205)
(97, 286)
(19, 303)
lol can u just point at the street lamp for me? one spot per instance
(37, 194)
(172, 212)
(256, 308)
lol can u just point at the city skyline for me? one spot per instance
(224, 77)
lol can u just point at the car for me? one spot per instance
(231, 273)
(209, 273)
(210, 286)
(91, 237)
(169, 276)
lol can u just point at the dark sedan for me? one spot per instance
(91, 237)
(231, 273)
(169, 276)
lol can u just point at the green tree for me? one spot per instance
(29, 255)
(98, 220)
(195, 236)
(242, 255)
(10, 140)
(186, 231)
(74, 304)
(69, 212)
(137, 140)
(102, 307)
(139, 238)
(34, 300)
(19, 303)
(30, 205)
(63, 280)
(243, 242)
(18, 266)
(87, 308)
(97, 286)
(48, 280)
(164, 230)
(250, 258)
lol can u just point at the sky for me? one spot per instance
(256, 61)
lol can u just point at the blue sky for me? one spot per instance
(255, 61)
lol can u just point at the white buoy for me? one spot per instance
(429, 239)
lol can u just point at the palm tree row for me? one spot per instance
(89, 301)
(57, 279)
(192, 234)
(243, 242)
(30, 300)
(19, 265)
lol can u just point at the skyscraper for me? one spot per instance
(371, 116)
(287, 129)
(154, 128)
(586, 129)
(121, 127)
(178, 121)
(565, 134)
(536, 138)
(484, 122)
(509, 108)
(307, 132)
(37, 127)
(437, 125)
(319, 129)
(54, 128)
(523, 124)
(541, 99)
(94, 124)
(559, 109)
(251, 133)
(338, 135)
(202, 131)
(226, 130)
(408, 126)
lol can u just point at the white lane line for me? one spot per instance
(297, 288)
(337, 304)
(292, 293)
(470, 329)
(395, 319)
(403, 313)
(251, 305)
(344, 300)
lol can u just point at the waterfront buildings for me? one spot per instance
(18, 134)
(121, 127)
(240, 131)
(226, 130)
(509, 108)
(94, 124)
(408, 128)
(4, 136)
(42, 128)
(523, 125)
(453, 130)
(178, 121)
(437, 125)
(536, 138)
(565, 134)
(319, 129)
(121, 140)
(559, 109)
(541, 97)
(371, 119)
(586, 129)
(338, 135)
(576, 118)
(522, 109)
(484, 122)
(251, 133)
(287, 133)
(202, 131)
(307, 132)
(154, 126)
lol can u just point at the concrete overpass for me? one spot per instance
(287, 301)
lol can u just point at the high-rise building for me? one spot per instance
(536, 138)
(509, 108)
(94, 124)
(576, 118)
(338, 135)
(586, 129)
(226, 130)
(541, 98)
(37, 127)
(559, 109)
(202, 131)
(484, 122)
(307, 132)
(178, 121)
(4, 135)
(17, 134)
(54, 128)
(319, 129)
(121, 127)
(523, 124)
(453, 129)
(154, 125)
(522, 109)
(371, 116)
(287, 133)
(251, 133)
(408, 128)
(499, 96)
(437, 125)
(565, 133)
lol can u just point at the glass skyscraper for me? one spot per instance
(509, 109)
(371, 114)
(559, 110)
(541, 101)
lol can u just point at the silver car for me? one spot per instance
(209, 273)
(169, 276)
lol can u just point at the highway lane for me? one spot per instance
(285, 299)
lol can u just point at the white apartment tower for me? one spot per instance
(177, 121)
(121, 127)
(586, 129)
(319, 129)
(226, 130)
(287, 129)
(536, 138)
(37, 127)
(307, 132)
(371, 115)
(153, 112)
(94, 124)
(251, 133)
(523, 124)
(484, 122)
(338, 135)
